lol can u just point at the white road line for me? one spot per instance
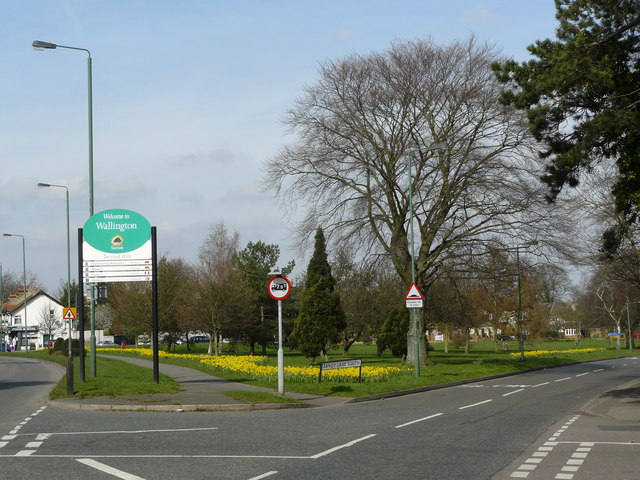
(540, 384)
(349, 444)
(119, 432)
(511, 393)
(264, 475)
(25, 453)
(475, 404)
(107, 469)
(419, 420)
(581, 374)
(271, 457)
(563, 379)
(599, 370)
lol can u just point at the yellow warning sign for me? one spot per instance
(69, 313)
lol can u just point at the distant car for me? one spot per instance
(199, 339)
(106, 343)
(507, 337)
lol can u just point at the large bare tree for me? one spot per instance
(356, 130)
(222, 294)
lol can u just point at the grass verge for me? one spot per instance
(119, 378)
(258, 397)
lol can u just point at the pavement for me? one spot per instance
(203, 392)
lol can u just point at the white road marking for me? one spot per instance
(348, 444)
(563, 379)
(511, 393)
(264, 475)
(119, 432)
(581, 374)
(475, 404)
(107, 469)
(25, 453)
(419, 420)
(540, 384)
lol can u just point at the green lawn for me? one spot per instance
(118, 378)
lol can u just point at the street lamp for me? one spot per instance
(46, 185)
(24, 279)
(520, 322)
(416, 336)
(39, 45)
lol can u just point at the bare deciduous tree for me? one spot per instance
(223, 294)
(48, 322)
(367, 116)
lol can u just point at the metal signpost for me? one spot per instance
(279, 288)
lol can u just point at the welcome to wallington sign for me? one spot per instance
(116, 247)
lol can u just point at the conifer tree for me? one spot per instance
(321, 318)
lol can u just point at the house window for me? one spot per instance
(17, 320)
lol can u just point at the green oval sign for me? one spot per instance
(117, 231)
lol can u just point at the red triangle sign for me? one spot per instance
(414, 293)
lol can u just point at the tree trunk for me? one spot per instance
(411, 342)
(466, 341)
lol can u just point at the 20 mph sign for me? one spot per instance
(279, 287)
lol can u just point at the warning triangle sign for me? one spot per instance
(69, 313)
(414, 293)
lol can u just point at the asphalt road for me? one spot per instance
(477, 431)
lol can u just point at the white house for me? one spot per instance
(35, 324)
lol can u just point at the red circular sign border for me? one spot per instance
(269, 287)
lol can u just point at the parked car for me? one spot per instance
(199, 339)
(106, 343)
(507, 337)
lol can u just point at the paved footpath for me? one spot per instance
(599, 442)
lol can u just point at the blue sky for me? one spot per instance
(188, 99)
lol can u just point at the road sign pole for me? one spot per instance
(280, 352)
(279, 288)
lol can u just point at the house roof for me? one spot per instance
(16, 299)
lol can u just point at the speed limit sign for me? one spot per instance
(279, 287)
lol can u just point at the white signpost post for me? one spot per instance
(279, 288)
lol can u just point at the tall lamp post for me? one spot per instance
(46, 185)
(24, 279)
(414, 316)
(520, 322)
(39, 45)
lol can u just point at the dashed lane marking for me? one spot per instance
(264, 475)
(475, 404)
(419, 420)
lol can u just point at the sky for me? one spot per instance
(188, 102)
